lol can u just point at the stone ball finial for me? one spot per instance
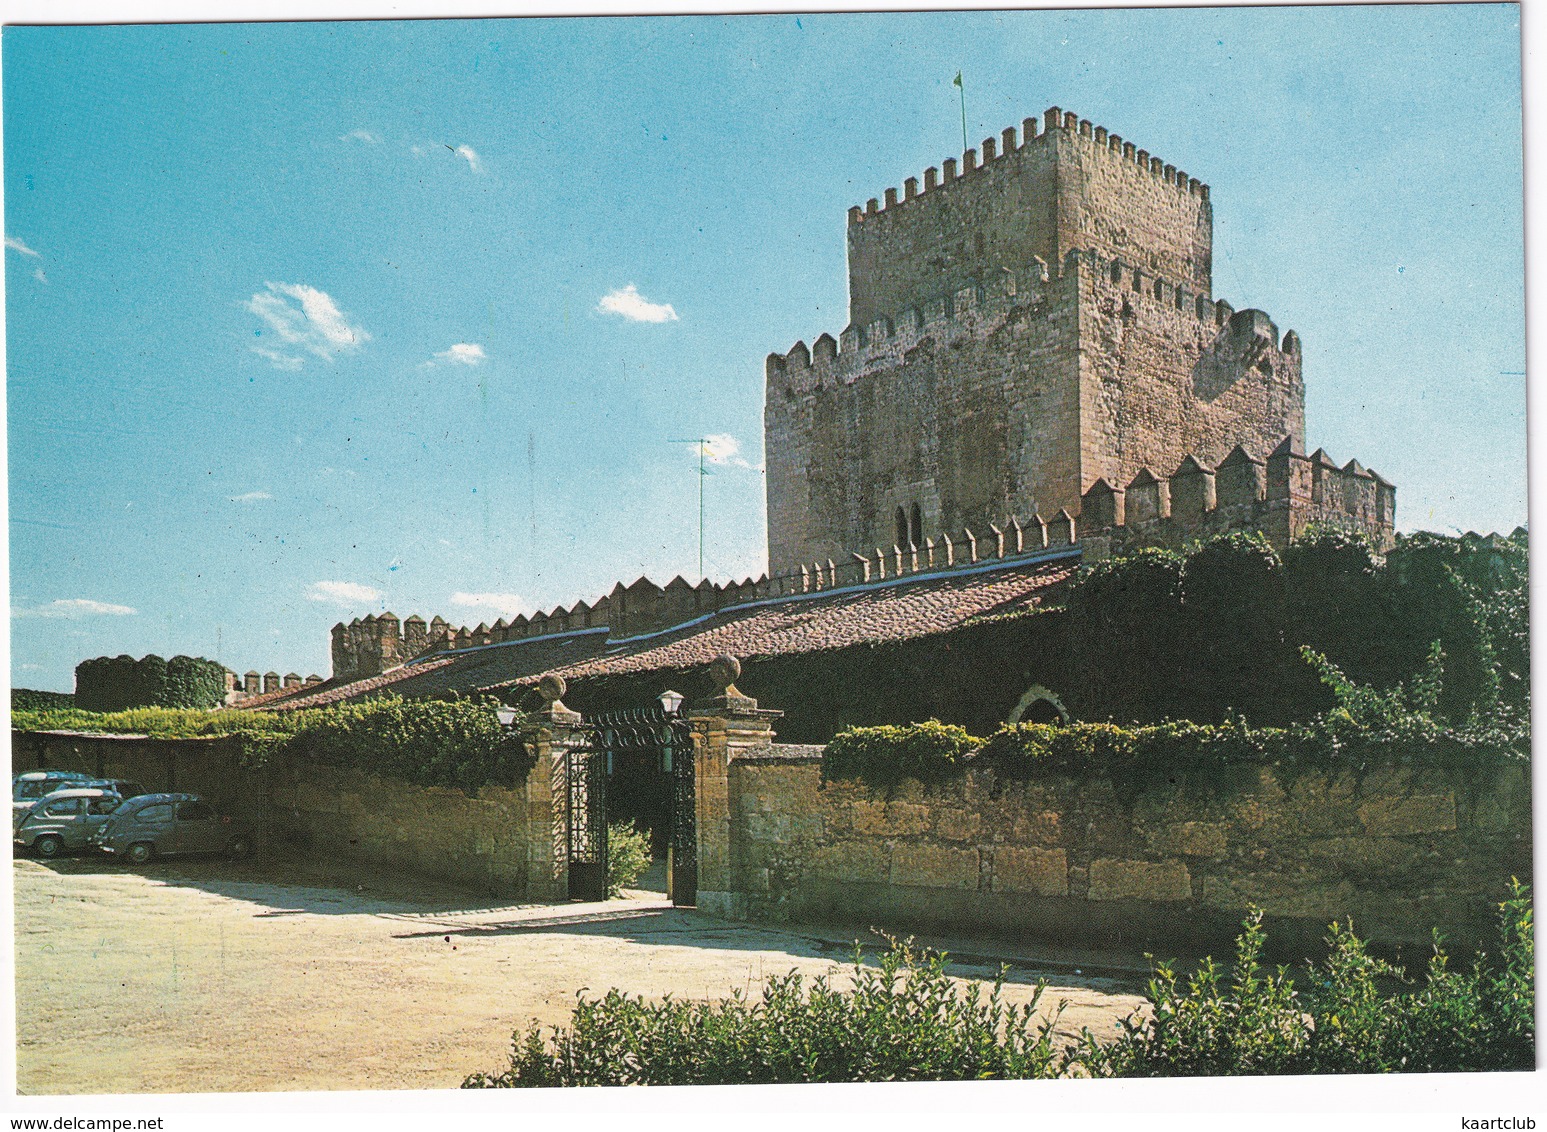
(723, 671)
(551, 688)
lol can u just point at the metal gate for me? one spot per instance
(587, 790)
(666, 739)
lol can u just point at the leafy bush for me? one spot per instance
(903, 1020)
(931, 752)
(158, 722)
(1482, 1019)
(114, 683)
(457, 742)
(430, 742)
(628, 856)
(1365, 725)
(1218, 630)
(29, 699)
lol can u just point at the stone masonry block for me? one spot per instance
(851, 861)
(956, 825)
(934, 866)
(890, 819)
(1397, 817)
(1192, 839)
(1115, 879)
(1307, 895)
(1044, 872)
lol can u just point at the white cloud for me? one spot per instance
(39, 276)
(362, 135)
(721, 449)
(75, 608)
(306, 317)
(470, 155)
(16, 245)
(633, 306)
(503, 605)
(342, 593)
(462, 353)
(251, 497)
(277, 359)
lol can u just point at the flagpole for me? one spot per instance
(963, 90)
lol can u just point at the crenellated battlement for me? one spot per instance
(966, 306)
(1054, 123)
(1041, 193)
(1283, 494)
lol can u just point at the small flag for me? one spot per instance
(957, 81)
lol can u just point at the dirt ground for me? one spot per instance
(214, 976)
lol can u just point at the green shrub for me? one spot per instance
(628, 856)
(29, 699)
(1481, 1019)
(931, 752)
(1218, 630)
(456, 742)
(1400, 724)
(903, 1020)
(119, 682)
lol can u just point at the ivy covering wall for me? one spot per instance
(113, 683)
(1209, 635)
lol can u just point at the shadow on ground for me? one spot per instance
(280, 883)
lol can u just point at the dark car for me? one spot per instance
(64, 821)
(166, 825)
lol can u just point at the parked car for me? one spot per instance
(31, 785)
(165, 825)
(64, 821)
(123, 787)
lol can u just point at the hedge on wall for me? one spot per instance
(1365, 726)
(29, 699)
(1207, 635)
(114, 683)
(455, 742)
(1218, 631)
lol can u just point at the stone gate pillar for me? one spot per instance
(725, 725)
(548, 735)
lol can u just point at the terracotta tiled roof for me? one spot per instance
(333, 691)
(904, 609)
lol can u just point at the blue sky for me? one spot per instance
(307, 321)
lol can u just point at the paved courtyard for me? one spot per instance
(277, 974)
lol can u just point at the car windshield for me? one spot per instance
(33, 788)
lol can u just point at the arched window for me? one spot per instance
(1039, 705)
(916, 526)
(902, 527)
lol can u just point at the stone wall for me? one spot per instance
(482, 839)
(971, 414)
(496, 839)
(209, 767)
(1399, 850)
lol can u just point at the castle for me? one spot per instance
(1035, 324)
(1035, 367)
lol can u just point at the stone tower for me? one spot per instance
(1021, 326)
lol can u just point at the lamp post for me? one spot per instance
(506, 715)
(671, 701)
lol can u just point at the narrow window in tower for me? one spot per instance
(916, 527)
(902, 527)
